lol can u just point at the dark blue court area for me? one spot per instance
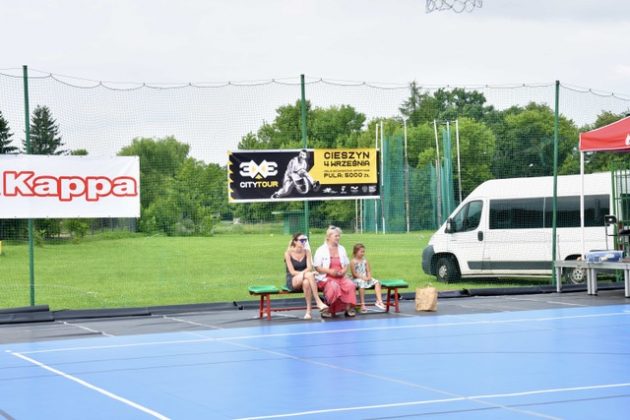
(551, 356)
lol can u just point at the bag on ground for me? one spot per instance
(426, 299)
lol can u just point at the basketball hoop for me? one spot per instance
(458, 6)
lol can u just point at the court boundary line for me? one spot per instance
(88, 385)
(474, 398)
(329, 331)
(88, 329)
(189, 322)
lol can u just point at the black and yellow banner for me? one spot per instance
(308, 174)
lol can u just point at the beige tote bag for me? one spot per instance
(426, 298)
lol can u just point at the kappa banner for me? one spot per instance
(289, 175)
(38, 187)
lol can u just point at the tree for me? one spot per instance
(526, 142)
(443, 105)
(5, 137)
(327, 128)
(190, 203)
(420, 107)
(79, 152)
(160, 160)
(45, 138)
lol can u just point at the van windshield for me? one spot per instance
(468, 217)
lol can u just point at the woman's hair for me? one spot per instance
(294, 239)
(332, 229)
(356, 249)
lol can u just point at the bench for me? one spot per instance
(265, 291)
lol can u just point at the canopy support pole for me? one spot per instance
(582, 203)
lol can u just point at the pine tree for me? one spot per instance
(5, 137)
(45, 138)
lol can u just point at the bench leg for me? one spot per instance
(395, 299)
(261, 305)
(268, 310)
(264, 307)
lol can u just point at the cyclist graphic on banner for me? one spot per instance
(297, 177)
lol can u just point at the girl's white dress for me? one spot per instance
(360, 267)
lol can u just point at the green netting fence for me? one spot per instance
(190, 245)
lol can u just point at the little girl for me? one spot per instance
(362, 277)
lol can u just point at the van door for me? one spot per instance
(465, 238)
(517, 242)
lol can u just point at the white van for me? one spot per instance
(504, 228)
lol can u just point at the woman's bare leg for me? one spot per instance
(298, 283)
(308, 292)
(377, 291)
(310, 279)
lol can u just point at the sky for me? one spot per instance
(579, 42)
(505, 42)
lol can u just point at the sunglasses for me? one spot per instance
(303, 240)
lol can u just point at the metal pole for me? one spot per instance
(27, 132)
(406, 174)
(304, 144)
(361, 204)
(376, 205)
(382, 181)
(459, 166)
(448, 164)
(582, 204)
(438, 175)
(554, 244)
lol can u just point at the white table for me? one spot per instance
(591, 273)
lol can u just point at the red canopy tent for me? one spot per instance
(613, 137)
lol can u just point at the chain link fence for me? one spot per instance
(190, 245)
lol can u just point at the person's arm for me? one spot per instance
(355, 275)
(318, 261)
(345, 262)
(368, 271)
(324, 270)
(309, 263)
(334, 273)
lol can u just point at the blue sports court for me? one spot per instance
(546, 356)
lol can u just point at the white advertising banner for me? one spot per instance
(41, 187)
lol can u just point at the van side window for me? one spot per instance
(521, 213)
(595, 208)
(534, 213)
(468, 217)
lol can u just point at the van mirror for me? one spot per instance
(449, 225)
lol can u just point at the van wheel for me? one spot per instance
(446, 270)
(574, 275)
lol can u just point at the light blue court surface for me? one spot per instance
(560, 363)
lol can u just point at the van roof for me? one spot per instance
(542, 186)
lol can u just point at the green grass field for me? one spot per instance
(147, 271)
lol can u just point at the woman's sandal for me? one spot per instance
(325, 313)
(350, 313)
(308, 316)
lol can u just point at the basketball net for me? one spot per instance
(458, 6)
